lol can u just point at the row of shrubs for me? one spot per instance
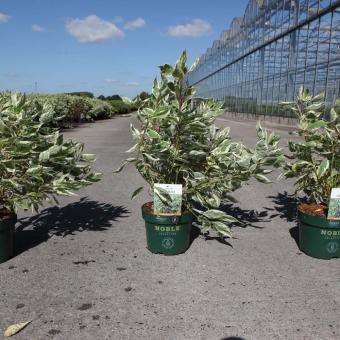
(67, 109)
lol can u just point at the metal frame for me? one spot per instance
(266, 55)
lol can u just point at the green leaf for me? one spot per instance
(46, 155)
(150, 158)
(136, 192)
(166, 69)
(2, 125)
(262, 178)
(218, 215)
(317, 125)
(197, 153)
(95, 177)
(153, 134)
(132, 149)
(135, 132)
(87, 157)
(221, 228)
(333, 115)
(322, 168)
(128, 160)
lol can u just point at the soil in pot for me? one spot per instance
(314, 209)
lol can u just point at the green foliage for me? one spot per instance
(80, 108)
(141, 99)
(36, 163)
(100, 110)
(119, 105)
(317, 157)
(113, 97)
(68, 109)
(178, 143)
(82, 94)
(143, 95)
(122, 107)
(250, 106)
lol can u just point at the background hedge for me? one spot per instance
(67, 109)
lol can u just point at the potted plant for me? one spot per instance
(178, 143)
(315, 162)
(35, 163)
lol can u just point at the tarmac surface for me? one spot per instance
(82, 271)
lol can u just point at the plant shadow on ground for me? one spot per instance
(286, 208)
(246, 219)
(84, 215)
(194, 233)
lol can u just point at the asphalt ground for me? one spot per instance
(82, 271)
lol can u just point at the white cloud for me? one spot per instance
(4, 17)
(133, 83)
(111, 81)
(195, 28)
(93, 29)
(37, 28)
(11, 75)
(135, 24)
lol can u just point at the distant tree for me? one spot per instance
(82, 94)
(142, 96)
(140, 99)
(113, 97)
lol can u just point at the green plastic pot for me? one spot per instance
(319, 237)
(7, 227)
(168, 235)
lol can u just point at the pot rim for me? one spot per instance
(317, 221)
(187, 212)
(148, 216)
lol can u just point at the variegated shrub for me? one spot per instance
(316, 157)
(36, 163)
(177, 142)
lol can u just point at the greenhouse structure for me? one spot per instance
(266, 55)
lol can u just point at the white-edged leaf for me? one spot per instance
(153, 134)
(261, 178)
(88, 157)
(136, 192)
(218, 215)
(322, 168)
(132, 149)
(333, 115)
(221, 228)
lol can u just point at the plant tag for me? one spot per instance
(334, 205)
(167, 199)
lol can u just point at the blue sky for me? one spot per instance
(103, 46)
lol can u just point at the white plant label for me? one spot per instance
(167, 199)
(334, 205)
